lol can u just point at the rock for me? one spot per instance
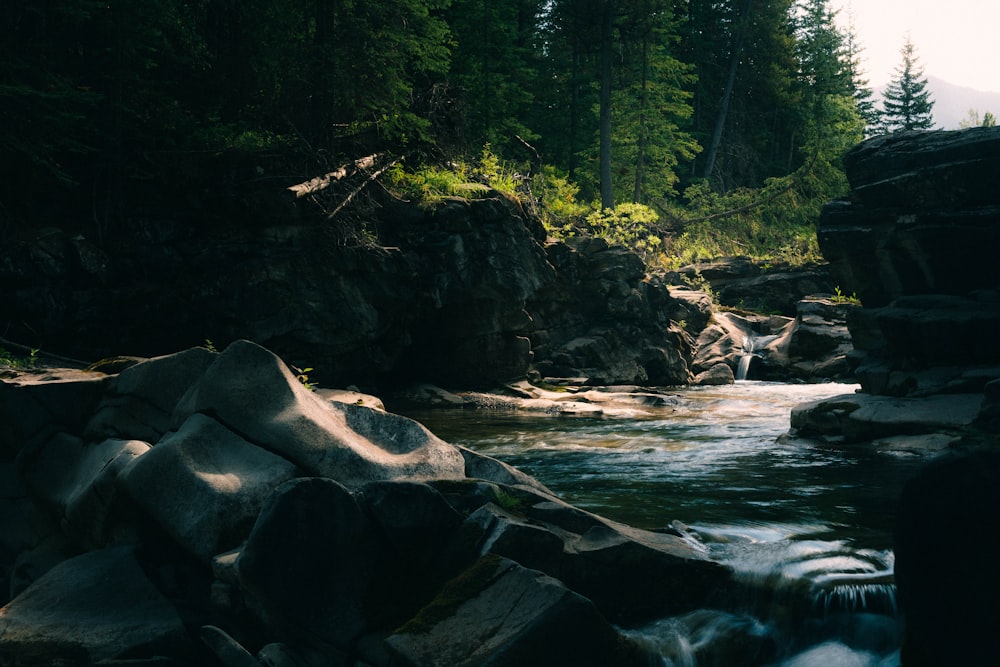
(229, 652)
(38, 405)
(730, 337)
(541, 622)
(862, 417)
(142, 399)
(480, 466)
(718, 374)
(97, 606)
(694, 308)
(349, 443)
(351, 396)
(913, 243)
(309, 570)
(77, 482)
(603, 319)
(949, 610)
(630, 574)
(917, 223)
(775, 291)
(741, 283)
(819, 344)
(205, 485)
(262, 517)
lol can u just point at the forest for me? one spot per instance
(686, 128)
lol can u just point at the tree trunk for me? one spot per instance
(734, 61)
(607, 195)
(640, 149)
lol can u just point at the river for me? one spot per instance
(807, 526)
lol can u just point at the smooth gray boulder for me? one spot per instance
(76, 481)
(205, 485)
(251, 391)
(142, 398)
(97, 606)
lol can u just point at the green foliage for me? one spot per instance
(10, 360)
(302, 375)
(495, 172)
(973, 120)
(630, 225)
(560, 211)
(773, 223)
(840, 297)
(95, 97)
(459, 178)
(508, 501)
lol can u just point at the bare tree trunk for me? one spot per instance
(607, 194)
(640, 158)
(734, 61)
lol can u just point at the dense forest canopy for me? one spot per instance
(689, 107)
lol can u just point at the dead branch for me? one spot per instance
(365, 183)
(320, 183)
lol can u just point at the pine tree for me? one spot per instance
(864, 97)
(906, 103)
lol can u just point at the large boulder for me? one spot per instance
(543, 622)
(915, 243)
(205, 485)
(351, 443)
(97, 606)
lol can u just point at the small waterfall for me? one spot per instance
(746, 354)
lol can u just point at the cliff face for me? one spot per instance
(917, 242)
(464, 293)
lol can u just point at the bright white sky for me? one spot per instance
(956, 40)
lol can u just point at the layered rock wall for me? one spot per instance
(464, 293)
(917, 243)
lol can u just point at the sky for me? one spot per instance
(956, 40)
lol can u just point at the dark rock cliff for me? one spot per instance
(917, 241)
(463, 293)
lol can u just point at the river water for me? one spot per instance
(806, 526)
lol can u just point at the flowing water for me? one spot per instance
(805, 525)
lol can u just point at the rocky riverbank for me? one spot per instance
(462, 293)
(207, 508)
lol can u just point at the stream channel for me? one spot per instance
(807, 526)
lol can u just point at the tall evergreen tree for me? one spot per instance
(864, 96)
(652, 105)
(826, 84)
(906, 103)
(495, 65)
(761, 123)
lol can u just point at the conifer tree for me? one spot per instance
(906, 103)
(864, 97)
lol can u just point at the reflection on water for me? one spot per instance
(806, 525)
